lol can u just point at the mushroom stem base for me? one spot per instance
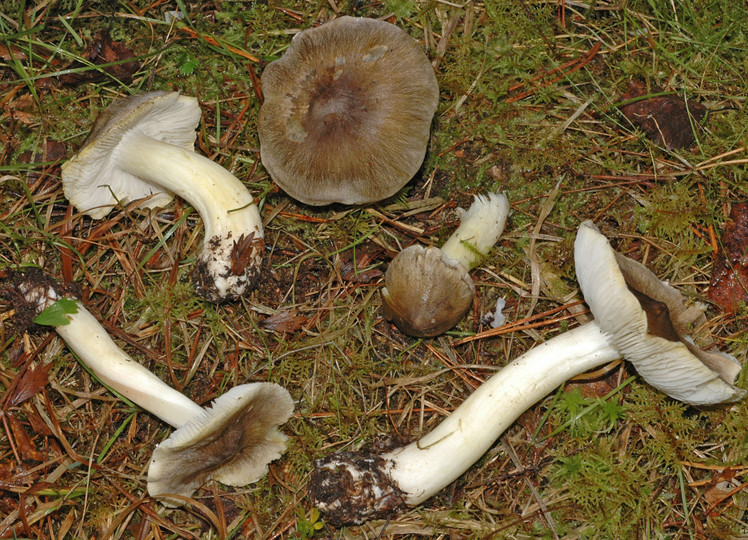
(353, 487)
(228, 267)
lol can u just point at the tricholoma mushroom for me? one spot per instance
(347, 112)
(428, 290)
(636, 316)
(232, 441)
(142, 146)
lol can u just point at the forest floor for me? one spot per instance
(533, 102)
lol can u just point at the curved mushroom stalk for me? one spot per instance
(347, 112)
(428, 290)
(232, 441)
(354, 487)
(143, 146)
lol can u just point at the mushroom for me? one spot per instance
(428, 290)
(347, 112)
(352, 487)
(142, 146)
(232, 441)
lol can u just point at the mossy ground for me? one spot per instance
(527, 105)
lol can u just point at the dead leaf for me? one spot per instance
(729, 283)
(23, 442)
(720, 492)
(32, 381)
(23, 117)
(359, 270)
(49, 151)
(9, 53)
(244, 252)
(286, 322)
(102, 50)
(667, 120)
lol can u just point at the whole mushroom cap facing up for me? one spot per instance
(347, 112)
(426, 292)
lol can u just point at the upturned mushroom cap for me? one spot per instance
(94, 184)
(347, 112)
(232, 442)
(426, 293)
(143, 145)
(647, 320)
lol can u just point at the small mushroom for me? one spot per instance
(142, 146)
(347, 112)
(352, 487)
(428, 290)
(232, 441)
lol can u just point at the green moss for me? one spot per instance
(609, 489)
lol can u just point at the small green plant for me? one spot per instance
(584, 416)
(56, 314)
(187, 65)
(308, 527)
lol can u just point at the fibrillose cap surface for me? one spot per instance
(91, 180)
(347, 112)
(645, 319)
(425, 292)
(232, 442)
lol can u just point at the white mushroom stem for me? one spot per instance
(413, 473)
(112, 366)
(223, 202)
(480, 228)
(425, 467)
(91, 342)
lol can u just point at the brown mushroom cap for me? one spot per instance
(347, 112)
(426, 293)
(233, 441)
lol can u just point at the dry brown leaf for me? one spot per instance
(49, 151)
(21, 116)
(357, 269)
(32, 381)
(719, 493)
(24, 445)
(11, 53)
(286, 322)
(102, 50)
(729, 283)
(667, 120)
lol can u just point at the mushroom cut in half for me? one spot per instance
(352, 487)
(142, 146)
(347, 112)
(428, 290)
(232, 441)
